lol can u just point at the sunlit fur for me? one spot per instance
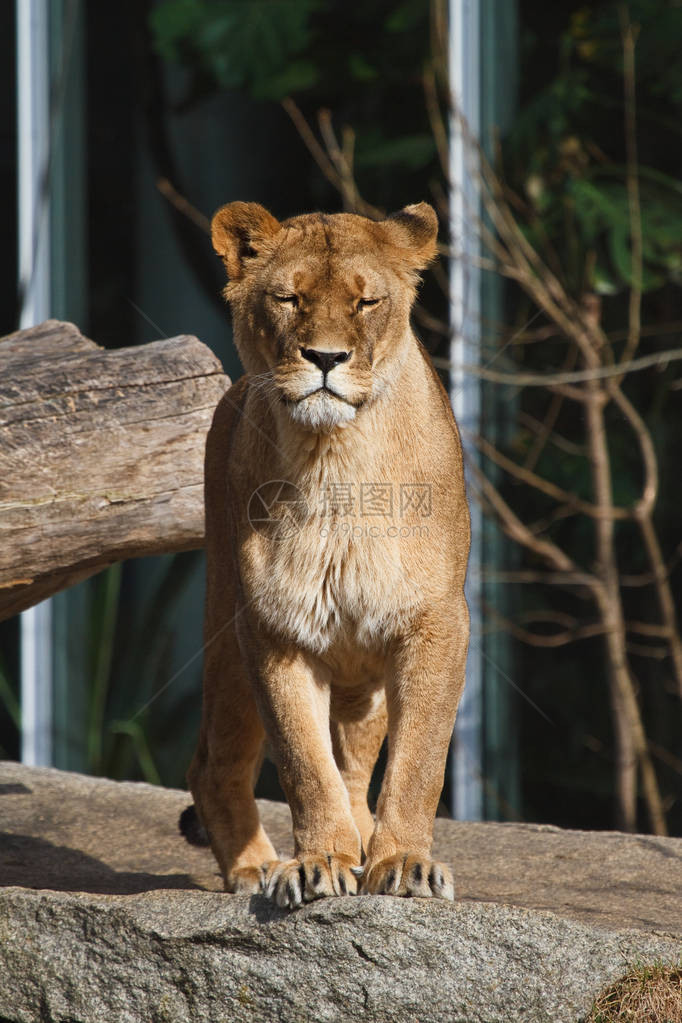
(325, 635)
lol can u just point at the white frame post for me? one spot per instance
(465, 326)
(33, 148)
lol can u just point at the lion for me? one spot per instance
(337, 538)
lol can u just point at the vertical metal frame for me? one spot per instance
(33, 147)
(465, 323)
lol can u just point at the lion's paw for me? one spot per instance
(248, 880)
(409, 874)
(290, 883)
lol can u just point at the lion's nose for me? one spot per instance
(325, 360)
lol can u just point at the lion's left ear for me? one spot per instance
(239, 231)
(414, 229)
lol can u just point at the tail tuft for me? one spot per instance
(191, 827)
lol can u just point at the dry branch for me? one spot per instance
(101, 456)
(579, 376)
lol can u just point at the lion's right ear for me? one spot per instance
(414, 229)
(238, 232)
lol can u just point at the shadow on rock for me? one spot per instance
(30, 862)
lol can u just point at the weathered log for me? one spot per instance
(101, 455)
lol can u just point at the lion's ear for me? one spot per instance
(238, 232)
(414, 229)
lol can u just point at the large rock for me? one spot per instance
(106, 914)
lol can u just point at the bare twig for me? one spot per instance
(325, 163)
(540, 483)
(340, 159)
(649, 578)
(545, 549)
(547, 640)
(632, 744)
(425, 319)
(645, 505)
(558, 439)
(183, 205)
(629, 34)
(666, 757)
(648, 330)
(665, 597)
(657, 653)
(436, 120)
(581, 581)
(551, 417)
(576, 377)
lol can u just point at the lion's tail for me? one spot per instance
(191, 827)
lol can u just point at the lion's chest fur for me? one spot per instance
(362, 561)
(342, 576)
(314, 590)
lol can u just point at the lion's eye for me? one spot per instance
(290, 300)
(367, 303)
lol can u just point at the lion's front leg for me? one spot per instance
(422, 695)
(294, 705)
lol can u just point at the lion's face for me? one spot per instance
(321, 304)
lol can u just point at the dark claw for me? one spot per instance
(417, 873)
(291, 894)
(342, 884)
(317, 876)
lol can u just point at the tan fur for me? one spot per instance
(328, 625)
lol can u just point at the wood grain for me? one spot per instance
(101, 454)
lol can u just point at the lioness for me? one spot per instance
(337, 535)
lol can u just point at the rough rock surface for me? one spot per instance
(106, 914)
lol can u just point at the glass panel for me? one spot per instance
(499, 84)
(130, 268)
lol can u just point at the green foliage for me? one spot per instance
(566, 152)
(146, 697)
(412, 152)
(127, 694)
(257, 45)
(136, 732)
(594, 34)
(362, 61)
(8, 699)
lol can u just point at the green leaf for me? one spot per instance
(299, 75)
(621, 253)
(603, 281)
(406, 16)
(9, 699)
(145, 759)
(360, 69)
(411, 152)
(172, 22)
(259, 44)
